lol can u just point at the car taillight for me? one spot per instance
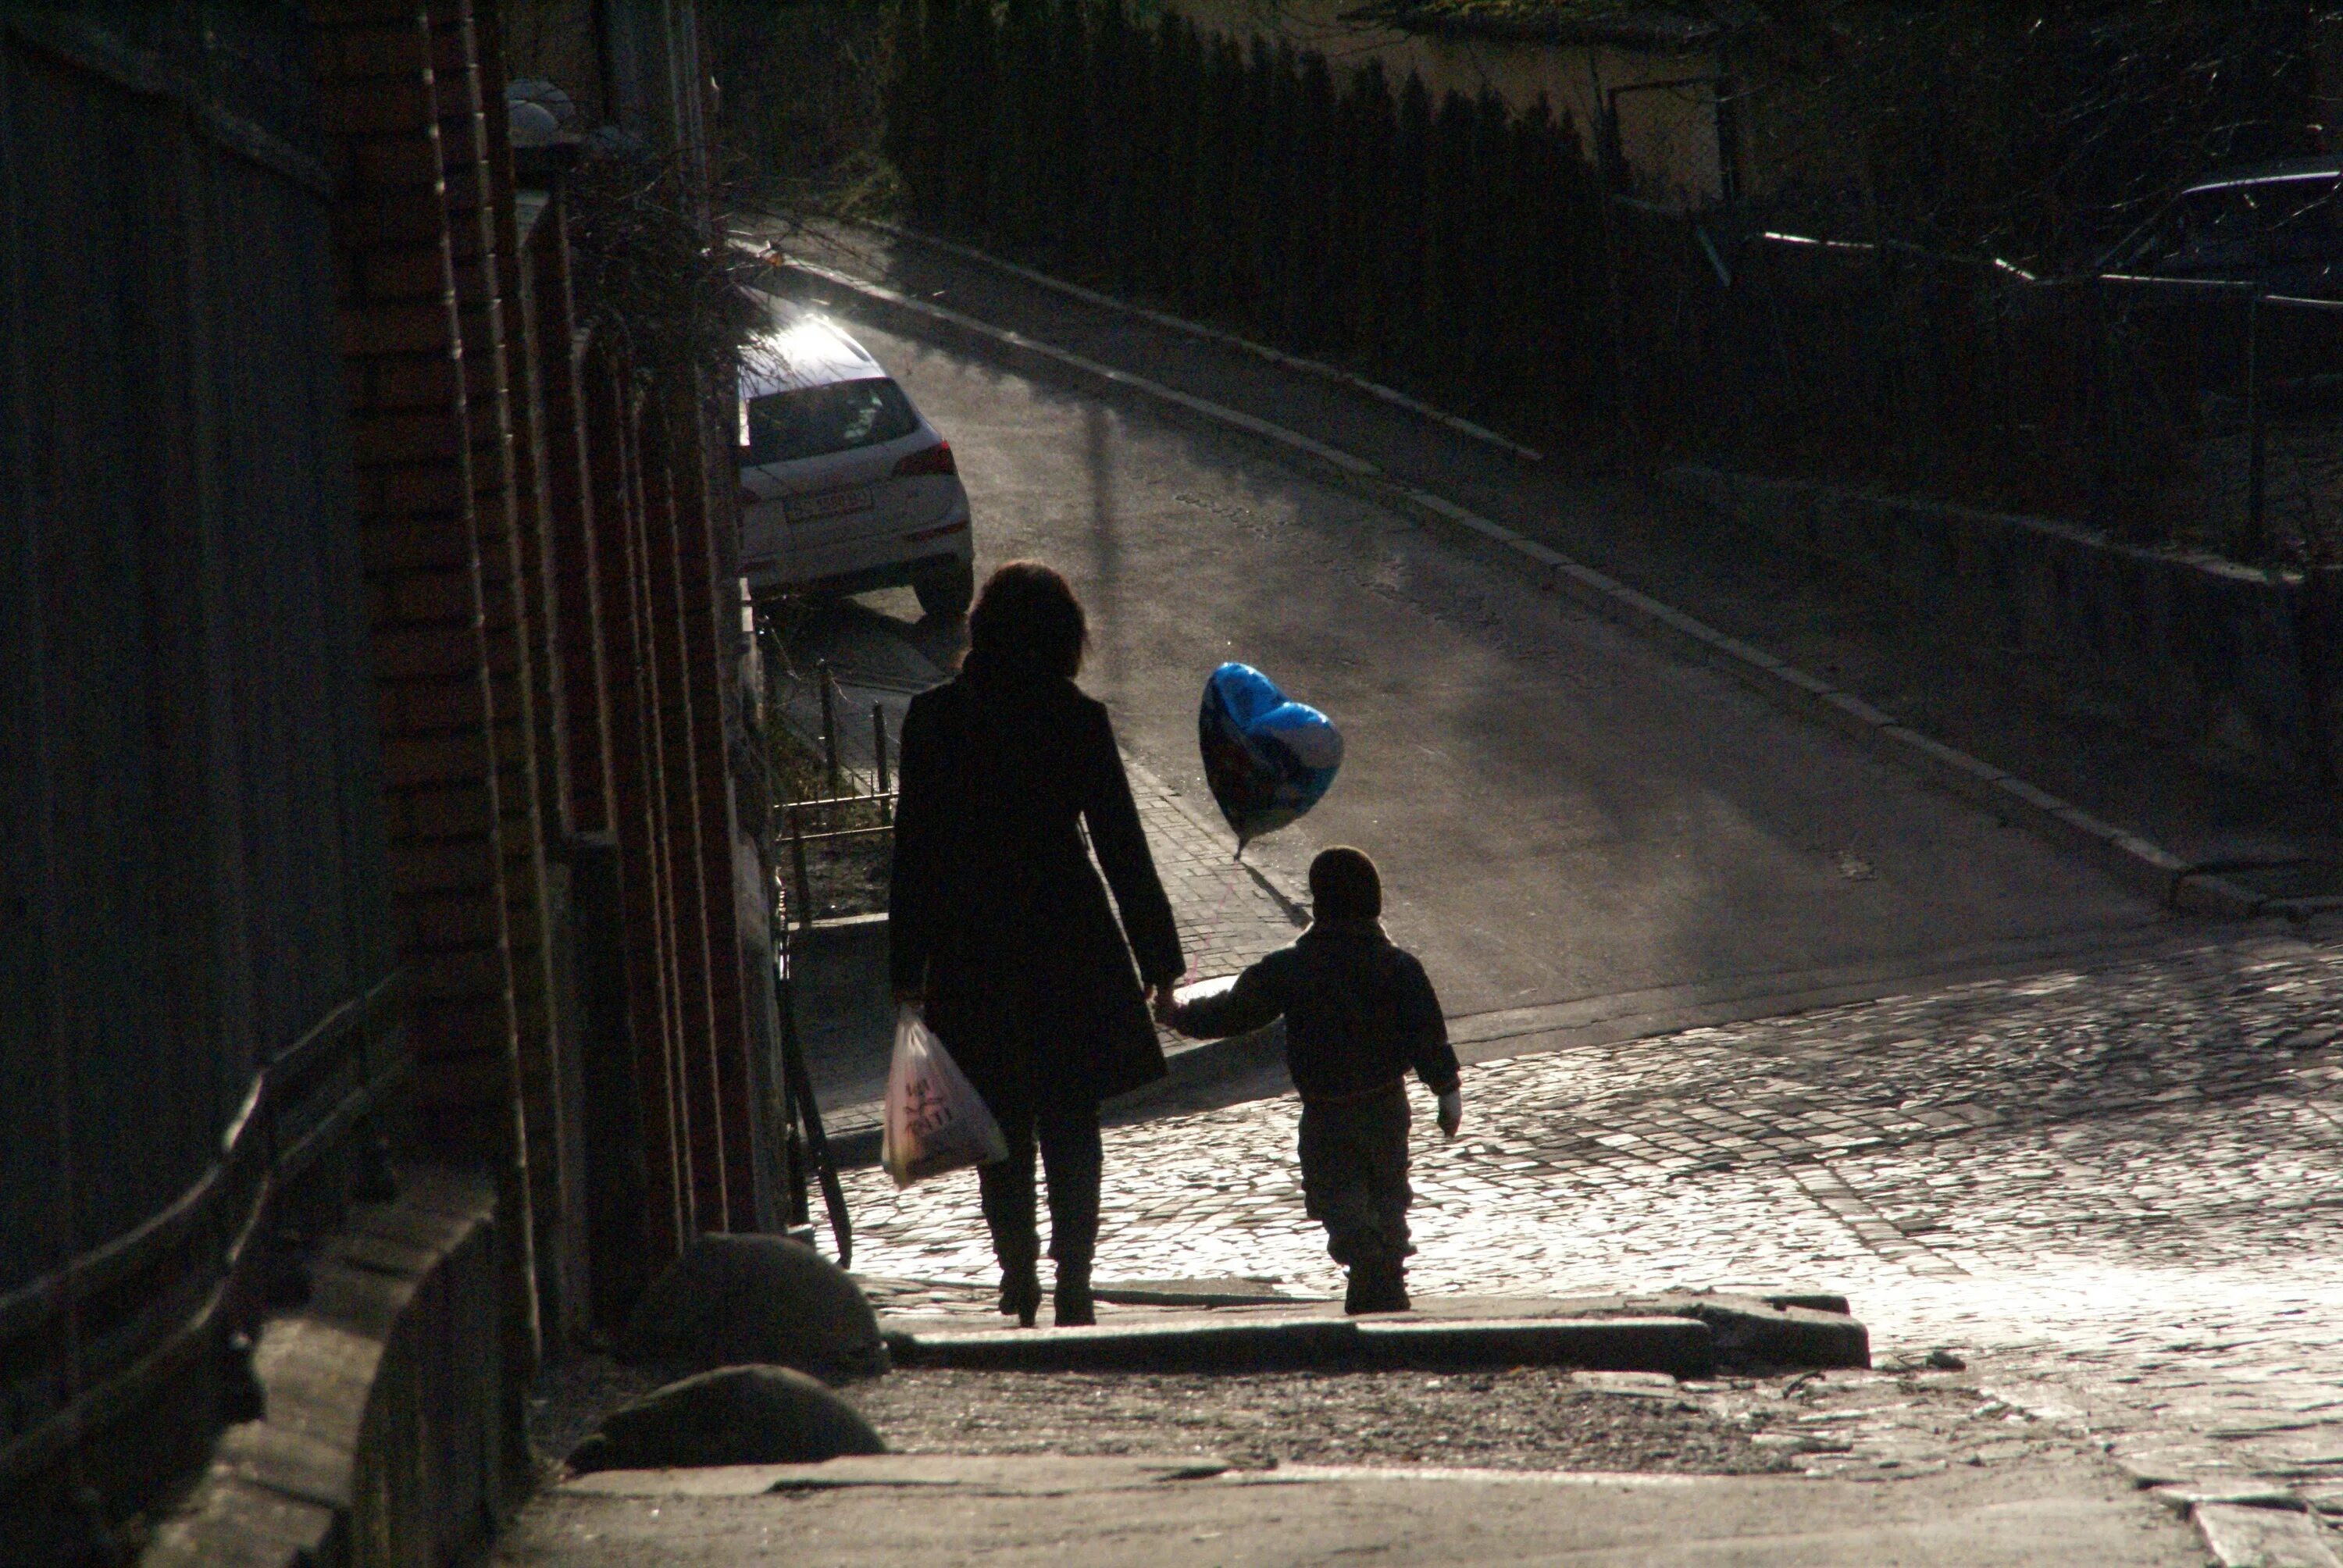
(935, 459)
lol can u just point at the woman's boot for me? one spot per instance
(1074, 1308)
(1007, 1190)
(1021, 1293)
(1376, 1285)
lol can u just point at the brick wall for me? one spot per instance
(399, 138)
(413, 460)
(548, 599)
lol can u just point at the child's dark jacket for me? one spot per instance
(1359, 1012)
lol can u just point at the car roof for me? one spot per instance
(802, 348)
(2265, 174)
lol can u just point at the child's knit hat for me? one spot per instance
(1344, 885)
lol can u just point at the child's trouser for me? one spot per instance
(1354, 1175)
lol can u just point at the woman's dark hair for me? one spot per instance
(1027, 619)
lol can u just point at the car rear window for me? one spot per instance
(814, 420)
(2262, 208)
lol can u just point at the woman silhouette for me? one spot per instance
(1001, 931)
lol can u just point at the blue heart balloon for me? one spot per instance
(1268, 757)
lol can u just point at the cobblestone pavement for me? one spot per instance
(2112, 1191)
(1229, 913)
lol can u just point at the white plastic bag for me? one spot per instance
(935, 1121)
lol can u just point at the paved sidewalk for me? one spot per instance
(2112, 1191)
(1230, 914)
(902, 1510)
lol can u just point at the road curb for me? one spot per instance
(1782, 1336)
(2137, 862)
(857, 1148)
(1680, 1347)
(2254, 1527)
(1686, 1334)
(1210, 1061)
(1180, 324)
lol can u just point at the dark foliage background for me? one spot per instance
(802, 90)
(2043, 131)
(1451, 245)
(1953, 340)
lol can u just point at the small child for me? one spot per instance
(1359, 1014)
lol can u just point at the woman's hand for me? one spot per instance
(1163, 1002)
(1451, 1113)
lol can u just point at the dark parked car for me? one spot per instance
(2278, 227)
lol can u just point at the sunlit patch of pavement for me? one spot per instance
(2115, 1194)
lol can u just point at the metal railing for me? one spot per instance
(2162, 410)
(816, 820)
(90, 1344)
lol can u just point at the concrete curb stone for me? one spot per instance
(1790, 1336)
(1779, 1330)
(1615, 1344)
(1679, 1346)
(1175, 1294)
(2252, 1526)
(2182, 1498)
(2240, 1536)
(1022, 1475)
(2147, 867)
(856, 1147)
(1683, 1334)
(1316, 367)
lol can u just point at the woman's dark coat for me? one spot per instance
(995, 913)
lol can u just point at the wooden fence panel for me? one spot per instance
(189, 841)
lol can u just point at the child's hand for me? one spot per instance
(1451, 1113)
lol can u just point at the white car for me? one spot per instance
(844, 485)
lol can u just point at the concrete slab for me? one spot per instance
(1249, 1344)
(1680, 1346)
(1218, 1293)
(1250, 1329)
(2240, 1536)
(991, 1476)
(2037, 1518)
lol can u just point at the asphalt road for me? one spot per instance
(1575, 825)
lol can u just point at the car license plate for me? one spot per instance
(827, 503)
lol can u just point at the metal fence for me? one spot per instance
(2165, 412)
(848, 808)
(195, 970)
